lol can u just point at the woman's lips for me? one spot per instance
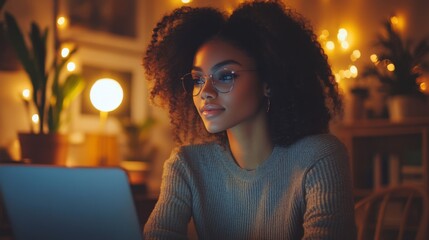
(211, 110)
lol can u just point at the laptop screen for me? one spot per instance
(47, 202)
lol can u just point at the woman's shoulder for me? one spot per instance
(308, 150)
(195, 153)
(319, 142)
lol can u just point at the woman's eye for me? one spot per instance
(226, 77)
(197, 80)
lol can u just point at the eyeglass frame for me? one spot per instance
(210, 77)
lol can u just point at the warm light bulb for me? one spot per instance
(390, 67)
(330, 45)
(71, 66)
(342, 34)
(373, 58)
(324, 35)
(394, 20)
(65, 52)
(186, 1)
(356, 53)
(354, 71)
(345, 45)
(423, 86)
(26, 94)
(35, 118)
(62, 22)
(347, 73)
(106, 94)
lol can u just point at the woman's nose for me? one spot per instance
(208, 90)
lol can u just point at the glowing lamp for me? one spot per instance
(106, 94)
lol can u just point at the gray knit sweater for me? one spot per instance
(300, 192)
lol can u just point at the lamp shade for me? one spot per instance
(106, 94)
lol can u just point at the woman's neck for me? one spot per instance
(250, 145)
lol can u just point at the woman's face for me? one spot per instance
(222, 110)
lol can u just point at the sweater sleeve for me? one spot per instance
(170, 217)
(329, 203)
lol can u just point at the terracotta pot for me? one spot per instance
(44, 148)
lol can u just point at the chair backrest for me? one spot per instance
(395, 213)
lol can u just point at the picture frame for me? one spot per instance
(109, 24)
(127, 70)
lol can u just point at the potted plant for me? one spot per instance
(52, 93)
(398, 67)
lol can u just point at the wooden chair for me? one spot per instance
(394, 213)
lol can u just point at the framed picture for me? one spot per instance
(127, 70)
(92, 73)
(104, 23)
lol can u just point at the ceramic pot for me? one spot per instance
(404, 107)
(44, 148)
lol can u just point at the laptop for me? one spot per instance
(60, 203)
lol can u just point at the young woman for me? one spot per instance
(250, 97)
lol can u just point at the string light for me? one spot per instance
(330, 45)
(35, 118)
(354, 71)
(342, 34)
(355, 55)
(373, 58)
(390, 67)
(26, 94)
(324, 36)
(65, 52)
(394, 20)
(71, 66)
(423, 86)
(62, 22)
(345, 45)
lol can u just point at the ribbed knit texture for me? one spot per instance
(300, 192)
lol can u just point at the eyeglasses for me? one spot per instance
(222, 80)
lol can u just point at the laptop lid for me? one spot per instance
(47, 202)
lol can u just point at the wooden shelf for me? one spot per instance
(409, 140)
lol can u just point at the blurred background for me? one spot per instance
(111, 37)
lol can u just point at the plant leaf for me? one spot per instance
(72, 87)
(38, 43)
(23, 53)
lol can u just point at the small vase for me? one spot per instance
(44, 148)
(404, 107)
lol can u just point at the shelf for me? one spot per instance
(364, 139)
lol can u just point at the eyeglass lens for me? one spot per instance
(222, 80)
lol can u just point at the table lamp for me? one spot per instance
(106, 95)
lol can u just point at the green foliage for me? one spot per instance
(33, 60)
(408, 62)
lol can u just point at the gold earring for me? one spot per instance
(269, 104)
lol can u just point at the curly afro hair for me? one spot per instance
(303, 96)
